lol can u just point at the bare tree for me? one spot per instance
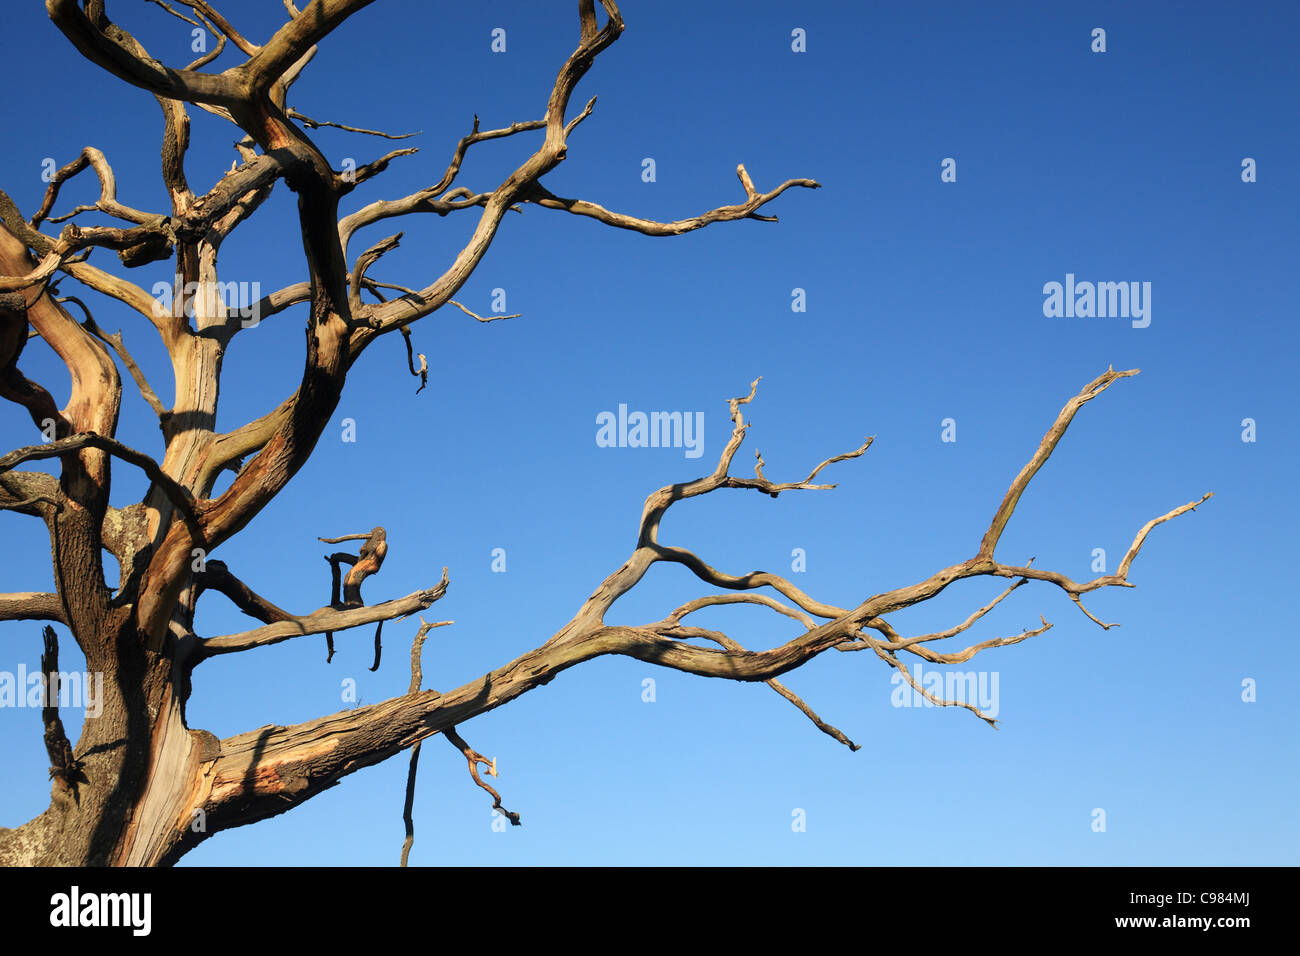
(130, 790)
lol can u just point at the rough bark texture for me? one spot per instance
(141, 787)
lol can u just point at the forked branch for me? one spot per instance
(322, 620)
(364, 735)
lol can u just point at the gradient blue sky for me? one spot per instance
(924, 303)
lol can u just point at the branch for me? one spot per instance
(650, 551)
(370, 560)
(115, 342)
(99, 42)
(295, 38)
(660, 643)
(179, 16)
(14, 385)
(107, 202)
(232, 198)
(65, 769)
(408, 808)
(178, 494)
(424, 200)
(897, 643)
(937, 701)
(374, 287)
(481, 318)
(1141, 537)
(475, 758)
(205, 9)
(374, 168)
(281, 299)
(365, 261)
(322, 620)
(392, 315)
(32, 606)
(295, 763)
(314, 124)
(215, 52)
(1119, 579)
(32, 493)
(198, 9)
(215, 576)
(671, 628)
(417, 677)
(541, 196)
(423, 371)
(124, 291)
(1043, 452)
(136, 246)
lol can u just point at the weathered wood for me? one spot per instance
(140, 786)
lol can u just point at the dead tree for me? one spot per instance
(129, 790)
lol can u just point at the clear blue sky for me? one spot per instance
(924, 302)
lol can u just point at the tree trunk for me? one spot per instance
(127, 801)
